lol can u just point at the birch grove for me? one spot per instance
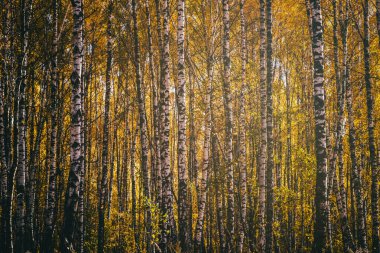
(189, 126)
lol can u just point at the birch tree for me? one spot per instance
(168, 229)
(270, 161)
(356, 178)
(142, 126)
(320, 227)
(183, 211)
(21, 170)
(370, 129)
(227, 102)
(338, 186)
(105, 141)
(72, 191)
(51, 200)
(4, 82)
(242, 134)
(199, 228)
(263, 140)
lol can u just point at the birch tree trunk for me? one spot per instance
(270, 161)
(51, 199)
(338, 186)
(168, 228)
(242, 134)
(263, 141)
(4, 82)
(25, 8)
(105, 156)
(205, 168)
(133, 191)
(183, 210)
(346, 90)
(13, 140)
(370, 129)
(227, 101)
(156, 164)
(320, 225)
(199, 235)
(80, 229)
(112, 163)
(357, 184)
(159, 107)
(348, 243)
(191, 160)
(34, 147)
(76, 156)
(143, 128)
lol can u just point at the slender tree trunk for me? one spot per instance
(156, 163)
(159, 107)
(346, 90)
(288, 162)
(124, 168)
(12, 139)
(11, 175)
(126, 133)
(320, 225)
(51, 203)
(193, 162)
(227, 101)
(263, 142)
(31, 167)
(270, 160)
(119, 183)
(4, 82)
(331, 153)
(80, 229)
(143, 128)
(206, 158)
(346, 231)
(183, 210)
(88, 130)
(60, 162)
(105, 156)
(357, 184)
(218, 186)
(252, 199)
(242, 134)
(353, 213)
(133, 192)
(168, 228)
(34, 145)
(76, 156)
(112, 163)
(21, 172)
(115, 147)
(338, 186)
(330, 184)
(25, 8)
(371, 138)
(203, 184)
